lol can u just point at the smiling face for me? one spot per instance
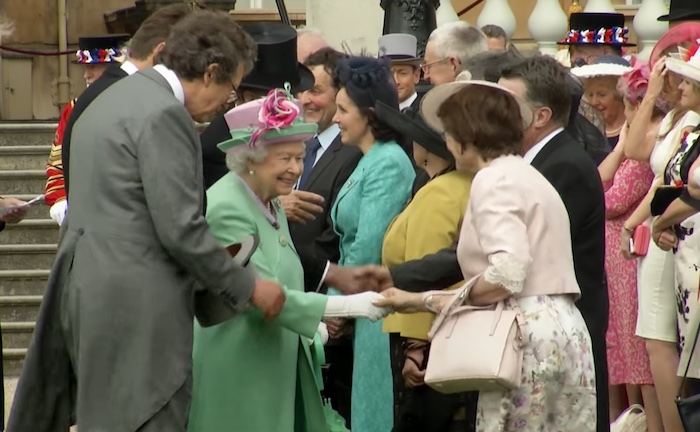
(319, 102)
(406, 78)
(205, 97)
(279, 171)
(601, 93)
(354, 126)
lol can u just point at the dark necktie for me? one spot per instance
(312, 147)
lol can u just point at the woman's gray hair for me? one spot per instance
(206, 37)
(238, 162)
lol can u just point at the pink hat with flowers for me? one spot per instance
(273, 119)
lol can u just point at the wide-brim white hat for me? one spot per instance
(686, 62)
(436, 96)
(603, 66)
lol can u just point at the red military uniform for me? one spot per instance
(55, 190)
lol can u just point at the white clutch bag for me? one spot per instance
(476, 348)
(634, 419)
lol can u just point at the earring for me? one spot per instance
(251, 172)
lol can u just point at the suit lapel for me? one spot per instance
(324, 162)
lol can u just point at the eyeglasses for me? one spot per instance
(426, 66)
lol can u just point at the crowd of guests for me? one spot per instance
(566, 189)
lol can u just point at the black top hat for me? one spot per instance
(411, 125)
(277, 59)
(101, 49)
(682, 10)
(588, 28)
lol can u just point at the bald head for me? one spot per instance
(308, 42)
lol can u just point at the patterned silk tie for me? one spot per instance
(312, 147)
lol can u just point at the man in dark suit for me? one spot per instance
(147, 43)
(327, 165)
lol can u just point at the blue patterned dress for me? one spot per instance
(370, 199)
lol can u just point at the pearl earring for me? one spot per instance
(251, 172)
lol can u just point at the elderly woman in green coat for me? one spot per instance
(253, 375)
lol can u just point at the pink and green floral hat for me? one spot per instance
(273, 119)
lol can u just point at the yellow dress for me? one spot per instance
(430, 222)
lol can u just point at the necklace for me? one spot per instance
(614, 132)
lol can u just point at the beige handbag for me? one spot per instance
(476, 348)
(632, 420)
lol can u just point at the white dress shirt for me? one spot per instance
(326, 138)
(173, 80)
(129, 67)
(531, 154)
(408, 102)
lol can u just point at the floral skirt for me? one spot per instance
(687, 261)
(557, 392)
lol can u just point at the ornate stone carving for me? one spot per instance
(416, 17)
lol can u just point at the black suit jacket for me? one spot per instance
(113, 74)
(574, 175)
(214, 160)
(318, 237)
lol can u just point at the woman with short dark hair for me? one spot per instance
(376, 191)
(515, 242)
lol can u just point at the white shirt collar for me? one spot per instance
(173, 80)
(327, 137)
(531, 154)
(129, 67)
(408, 102)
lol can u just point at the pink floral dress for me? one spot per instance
(628, 362)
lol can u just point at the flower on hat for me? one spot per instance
(636, 82)
(278, 111)
(692, 52)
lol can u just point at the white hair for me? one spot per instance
(238, 161)
(458, 39)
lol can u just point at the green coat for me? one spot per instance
(251, 375)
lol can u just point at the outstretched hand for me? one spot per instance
(354, 280)
(401, 301)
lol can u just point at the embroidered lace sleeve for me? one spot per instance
(498, 212)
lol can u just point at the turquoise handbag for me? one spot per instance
(334, 421)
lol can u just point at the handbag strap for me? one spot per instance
(456, 300)
(687, 366)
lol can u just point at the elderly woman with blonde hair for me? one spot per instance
(247, 367)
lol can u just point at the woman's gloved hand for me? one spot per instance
(356, 306)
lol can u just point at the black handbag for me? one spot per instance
(689, 408)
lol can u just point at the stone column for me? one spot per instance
(647, 28)
(356, 24)
(497, 12)
(548, 25)
(416, 17)
(599, 6)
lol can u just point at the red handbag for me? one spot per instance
(639, 243)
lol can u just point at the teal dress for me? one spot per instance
(374, 194)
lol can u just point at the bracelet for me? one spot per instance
(624, 227)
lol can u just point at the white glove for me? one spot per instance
(323, 332)
(355, 306)
(58, 211)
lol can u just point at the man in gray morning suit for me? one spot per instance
(122, 289)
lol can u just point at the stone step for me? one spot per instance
(19, 308)
(35, 211)
(27, 133)
(16, 182)
(17, 334)
(23, 282)
(12, 361)
(24, 157)
(27, 256)
(30, 231)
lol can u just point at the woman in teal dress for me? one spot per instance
(373, 195)
(252, 375)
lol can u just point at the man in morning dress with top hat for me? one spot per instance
(97, 54)
(592, 35)
(147, 43)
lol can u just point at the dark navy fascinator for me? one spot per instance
(367, 81)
